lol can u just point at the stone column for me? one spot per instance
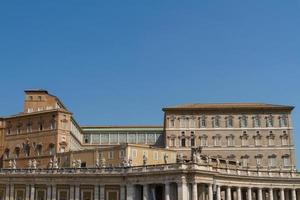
(145, 192)
(271, 194)
(7, 192)
(249, 193)
(228, 193)
(96, 192)
(27, 192)
(259, 194)
(32, 191)
(49, 192)
(182, 190)
(122, 192)
(77, 192)
(294, 196)
(53, 196)
(239, 193)
(210, 192)
(281, 194)
(72, 192)
(218, 192)
(102, 192)
(167, 191)
(195, 191)
(130, 192)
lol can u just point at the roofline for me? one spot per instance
(36, 113)
(122, 126)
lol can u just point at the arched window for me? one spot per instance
(26, 148)
(29, 127)
(192, 139)
(39, 149)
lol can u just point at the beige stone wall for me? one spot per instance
(265, 146)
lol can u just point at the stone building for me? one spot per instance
(259, 135)
(202, 152)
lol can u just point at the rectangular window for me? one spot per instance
(113, 138)
(172, 142)
(192, 142)
(142, 138)
(203, 142)
(111, 155)
(122, 138)
(133, 153)
(155, 155)
(272, 161)
(86, 195)
(121, 154)
(63, 195)
(95, 138)
(286, 161)
(104, 138)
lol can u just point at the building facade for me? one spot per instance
(202, 152)
(259, 135)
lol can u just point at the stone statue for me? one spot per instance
(102, 162)
(14, 164)
(74, 163)
(79, 163)
(145, 159)
(34, 164)
(55, 163)
(97, 163)
(218, 162)
(166, 157)
(130, 163)
(10, 164)
(29, 163)
(50, 165)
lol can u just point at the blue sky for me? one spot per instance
(120, 62)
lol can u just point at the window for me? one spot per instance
(284, 139)
(269, 121)
(121, 154)
(216, 122)
(39, 98)
(245, 160)
(8, 131)
(243, 121)
(244, 139)
(286, 160)
(257, 139)
(86, 139)
(19, 130)
(51, 149)
(111, 155)
(41, 127)
(52, 124)
(192, 142)
(6, 153)
(202, 121)
(229, 121)
(172, 142)
(63, 194)
(172, 122)
(184, 122)
(271, 139)
(29, 127)
(203, 141)
(258, 160)
(192, 123)
(30, 98)
(155, 155)
(17, 151)
(230, 140)
(40, 108)
(133, 153)
(217, 140)
(256, 121)
(183, 142)
(272, 161)
(29, 110)
(283, 121)
(39, 149)
(62, 149)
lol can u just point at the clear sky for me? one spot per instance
(120, 62)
